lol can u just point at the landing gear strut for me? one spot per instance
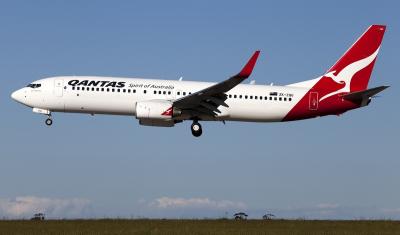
(49, 121)
(196, 129)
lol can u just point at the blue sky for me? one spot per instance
(107, 166)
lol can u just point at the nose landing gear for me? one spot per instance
(196, 129)
(49, 121)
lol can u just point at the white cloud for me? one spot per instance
(337, 211)
(327, 206)
(26, 206)
(201, 203)
(391, 210)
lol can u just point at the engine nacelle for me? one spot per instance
(157, 122)
(154, 109)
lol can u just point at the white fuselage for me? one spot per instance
(254, 103)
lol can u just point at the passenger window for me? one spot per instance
(280, 98)
(284, 99)
(155, 92)
(102, 89)
(92, 88)
(159, 92)
(169, 92)
(184, 93)
(255, 97)
(113, 90)
(119, 90)
(144, 91)
(73, 88)
(270, 98)
(129, 90)
(108, 89)
(290, 99)
(245, 96)
(240, 96)
(134, 91)
(164, 92)
(78, 88)
(275, 98)
(234, 96)
(179, 93)
(265, 98)
(124, 90)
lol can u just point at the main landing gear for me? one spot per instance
(196, 129)
(49, 121)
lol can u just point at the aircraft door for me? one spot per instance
(313, 102)
(58, 87)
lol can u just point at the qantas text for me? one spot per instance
(96, 83)
(116, 84)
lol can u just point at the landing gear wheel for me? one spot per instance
(49, 122)
(196, 129)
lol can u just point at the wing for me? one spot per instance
(207, 101)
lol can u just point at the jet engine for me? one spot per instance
(155, 113)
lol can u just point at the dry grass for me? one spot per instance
(119, 227)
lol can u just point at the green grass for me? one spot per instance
(231, 227)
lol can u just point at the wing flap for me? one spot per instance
(200, 100)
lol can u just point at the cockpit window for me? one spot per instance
(34, 85)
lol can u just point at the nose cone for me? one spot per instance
(17, 96)
(14, 95)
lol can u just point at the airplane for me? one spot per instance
(164, 103)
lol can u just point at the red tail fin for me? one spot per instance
(348, 75)
(357, 63)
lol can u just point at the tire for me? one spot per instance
(49, 122)
(196, 129)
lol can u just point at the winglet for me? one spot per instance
(248, 68)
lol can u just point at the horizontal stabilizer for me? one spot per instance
(364, 95)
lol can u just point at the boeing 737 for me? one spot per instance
(164, 103)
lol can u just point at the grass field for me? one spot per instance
(231, 227)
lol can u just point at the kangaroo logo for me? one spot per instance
(345, 76)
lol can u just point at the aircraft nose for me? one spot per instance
(16, 95)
